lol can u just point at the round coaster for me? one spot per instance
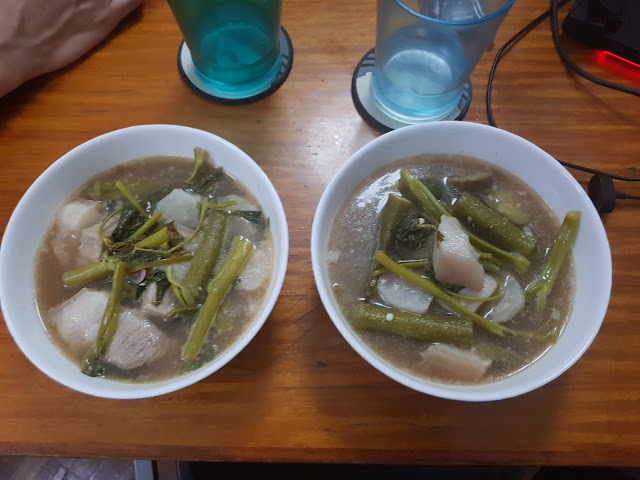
(373, 115)
(193, 80)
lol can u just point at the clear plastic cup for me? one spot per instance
(426, 50)
(235, 44)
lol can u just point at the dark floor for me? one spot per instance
(45, 468)
(239, 471)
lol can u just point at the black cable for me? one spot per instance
(553, 13)
(624, 196)
(503, 50)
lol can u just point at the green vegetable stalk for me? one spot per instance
(102, 268)
(88, 273)
(559, 251)
(440, 294)
(155, 239)
(92, 363)
(147, 225)
(435, 210)
(200, 159)
(216, 290)
(131, 199)
(428, 326)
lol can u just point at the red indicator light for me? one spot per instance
(618, 57)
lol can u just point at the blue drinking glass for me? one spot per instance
(234, 44)
(426, 51)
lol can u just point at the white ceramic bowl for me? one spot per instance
(35, 210)
(545, 175)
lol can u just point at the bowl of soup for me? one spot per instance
(142, 261)
(461, 261)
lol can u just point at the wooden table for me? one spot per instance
(298, 392)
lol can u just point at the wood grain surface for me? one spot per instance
(298, 392)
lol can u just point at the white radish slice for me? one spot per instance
(511, 302)
(489, 286)
(257, 269)
(396, 292)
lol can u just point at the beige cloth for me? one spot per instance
(40, 36)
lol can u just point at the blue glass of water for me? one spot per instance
(425, 52)
(234, 44)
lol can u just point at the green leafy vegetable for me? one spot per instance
(162, 284)
(205, 185)
(413, 232)
(253, 216)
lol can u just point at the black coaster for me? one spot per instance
(373, 115)
(191, 77)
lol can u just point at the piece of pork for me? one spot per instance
(454, 259)
(148, 299)
(90, 247)
(77, 320)
(453, 364)
(136, 342)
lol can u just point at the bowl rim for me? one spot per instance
(150, 389)
(448, 391)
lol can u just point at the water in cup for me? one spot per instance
(425, 52)
(421, 73)
(234, 44)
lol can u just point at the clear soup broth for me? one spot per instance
(361, 284)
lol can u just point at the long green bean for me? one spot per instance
(428, 326)
(216, 290)
(491, 225)
(92, 363)
(559, 251)
(206, 255)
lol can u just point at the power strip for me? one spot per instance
(607, 25)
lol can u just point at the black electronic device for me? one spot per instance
(608, 25)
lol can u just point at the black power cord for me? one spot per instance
(600, 188)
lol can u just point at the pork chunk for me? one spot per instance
(77, 320)
(454, 364)
(454, 259)
(136, 342)
(90, 247)
(168, 303)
